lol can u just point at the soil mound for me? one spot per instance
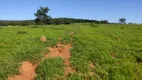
(27, 72)
(43, 39)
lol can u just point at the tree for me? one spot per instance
(106, 22)
(41, 16)
(103, 22)
(122, 20)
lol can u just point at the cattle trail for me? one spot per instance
(27, 69)
(63, 52)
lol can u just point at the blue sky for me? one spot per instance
(110, 10)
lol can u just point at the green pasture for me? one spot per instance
(114, 49)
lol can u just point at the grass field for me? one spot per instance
(114, 49)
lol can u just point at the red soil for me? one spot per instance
(27, 72)
(63, 52)
(92, 66)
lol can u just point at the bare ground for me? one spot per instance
(62, 51)
(27, 69)
(27, 72)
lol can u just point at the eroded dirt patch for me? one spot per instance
(113, 55)
(92, 66)
(62, 51)
(43, 39)
(27, 72)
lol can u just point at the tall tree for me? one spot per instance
(41, 16)
(122, 20)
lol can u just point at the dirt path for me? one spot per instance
(62, 51)
(27, 69)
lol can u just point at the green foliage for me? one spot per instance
(115, 52)
(15, 47)
(41, 16)
(49, 20)
(122, 20)
(35, 26)
(17, 23)
(104, 22)
(58, 21)
(1, 28)
(25, 23)
(74, 76)
(93, 25)
(50, 69)
(38, 21)
(22, 32)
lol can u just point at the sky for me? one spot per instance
(110, 10)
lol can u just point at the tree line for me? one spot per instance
(42, 17)
(55, 21)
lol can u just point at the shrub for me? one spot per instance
(35, 26)
(93, 25)
(22, 32)
(1, 28)
(24, 23)
(122, 27)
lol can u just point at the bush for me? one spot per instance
(35, 26)
(22, 32)
(122, 27)
(24, 23)
(93, 25)
(14, 23)
(1, 28)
